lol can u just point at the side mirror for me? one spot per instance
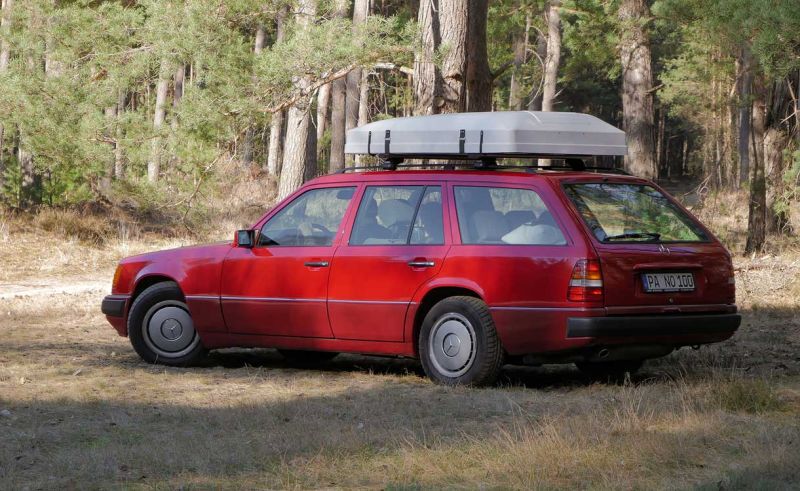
(245, 238)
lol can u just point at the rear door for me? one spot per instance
(397, 243)
(655, 257)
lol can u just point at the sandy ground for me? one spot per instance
(79, 410)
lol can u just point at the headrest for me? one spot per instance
(394, 211)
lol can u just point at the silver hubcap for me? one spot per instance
(168, 330)
(452, 345)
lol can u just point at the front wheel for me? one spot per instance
(458, 343)
(161, 329)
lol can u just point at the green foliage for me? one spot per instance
(70, 61)
(748, 395)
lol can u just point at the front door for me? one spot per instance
(279, 287)
(397, 243)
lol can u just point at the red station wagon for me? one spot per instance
(467, 265)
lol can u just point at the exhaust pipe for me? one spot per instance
(603, 353)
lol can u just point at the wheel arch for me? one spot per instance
(431, 298)
(152, 279)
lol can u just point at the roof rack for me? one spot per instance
(572, 165)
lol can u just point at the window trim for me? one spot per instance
(503, 185)
(259, 226)
(710, 238)
(421, 184)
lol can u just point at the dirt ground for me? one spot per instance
(79, 410)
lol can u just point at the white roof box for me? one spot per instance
(488, 134)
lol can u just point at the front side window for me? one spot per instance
(312, 219)
(399, 215)
(620, 212)
(496, 215)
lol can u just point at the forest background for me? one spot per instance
(161, 112)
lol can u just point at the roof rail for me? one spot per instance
(390, 165)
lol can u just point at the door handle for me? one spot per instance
(421, 264)
(317, 264)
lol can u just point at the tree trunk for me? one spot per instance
(111, 119)
(177, 93)
(298, 121)
(250, 133)
(338, 96)
(323, 104)
(311, 161)
(535, 103)
(361, 10)
(745, 107)
(515, 96)
(363, 108)
(453, 25)
(427, 80)
(338, 103)
(479, 75)
(553, 59)
(757, 213)
(637, 85)
(5, 54)
(275, 151)
(162, 87)
(28, 174)
(775, 142)
(119, 162)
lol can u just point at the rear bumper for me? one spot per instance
(652, 325)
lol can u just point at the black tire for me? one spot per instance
(154, 300)
(609, 370)
(307, 358)
(441, 327)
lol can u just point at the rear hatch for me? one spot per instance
(654, 256)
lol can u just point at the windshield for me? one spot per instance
(619, 212)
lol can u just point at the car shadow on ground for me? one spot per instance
(532, 377)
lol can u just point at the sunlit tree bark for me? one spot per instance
(275, 151)
(637, 85)
(298, 120)
(553, 54)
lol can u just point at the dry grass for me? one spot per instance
(85, 413)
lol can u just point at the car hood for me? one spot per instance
(206, 251)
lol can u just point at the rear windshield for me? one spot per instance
(618, 212)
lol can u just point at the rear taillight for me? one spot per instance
(586, 283)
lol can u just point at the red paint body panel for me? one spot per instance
(367, 299)
(270, 291)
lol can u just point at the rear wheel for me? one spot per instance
(161, 329)
(613, 370)
(307, 358)
(458, 343)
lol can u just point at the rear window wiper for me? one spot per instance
(634, 235)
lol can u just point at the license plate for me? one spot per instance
(668, 282)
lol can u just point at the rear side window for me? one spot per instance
(496, 215)
(399, 215)
(620, 212)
